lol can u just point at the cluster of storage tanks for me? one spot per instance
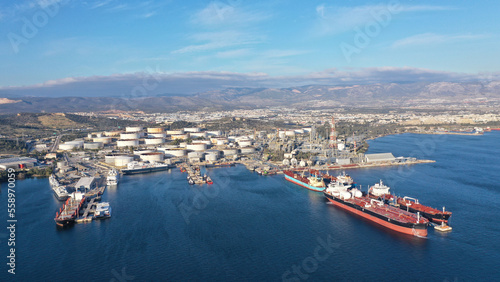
(134, 136)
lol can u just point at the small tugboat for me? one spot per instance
(190, 180)
(209, 180)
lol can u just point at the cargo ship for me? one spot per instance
(313, 182)
(70, 209)
(434, 215)
(381, 192)
(355, 201)
(140, 167)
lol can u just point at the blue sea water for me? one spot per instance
(255, 228)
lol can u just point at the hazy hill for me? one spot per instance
(311, 96)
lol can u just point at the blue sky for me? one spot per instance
(261, 43)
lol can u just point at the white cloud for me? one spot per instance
(232, 13)
(432, 39)
(217, 40)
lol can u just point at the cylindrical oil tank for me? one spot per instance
(89, 136)
(130, 135)
(168, 147)
(155, 130)
(230, 152)
(157, 135)
(175, 153)
(92, 145)
(290, 133)
(153, 157)
(211, 157)
(197, 146)
(123, 160)
(247, 150)
(214, 152)
(78, 143)
(109, 159)
(179, 136)
(198, 134)
(98, 134)
(67, 147)
(282, 134)
(199, 155)
(103, 140)
(306, 129)
(214, 133)
(140, 152)
(245, 143)
(154, 141)
(112, 133)
(192, 129)
(175, 132)
(183, 144)
(204, 142)
(133, 128)
(127, 142)
(299, 131)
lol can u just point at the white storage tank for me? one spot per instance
(197, 146)
(192, 129)
(290, 133)
(103, 140)
(196, 155)
(198, 134)
(204, 142)
(153, 157)
(175, 132)
(154, 141)
(133, 128)
(112, 133)
(340, 146)
(299, 131)
(211, 157)
(98, 134)
(67, 147)
(282, 134)
(286, 162)
(245, 143)
(140, 152)
(155, 130)
(306, 129)
(214, 133)
(127, 142)
(157, 135)
(247, 150)
(183, 144)
(302, 163)
(92, 145)
(123, 160)
(214, 152)
(167, 147)
(179, 136)
(109, 159)
(230, 152)
(130, 135)
(89, 136)
(175, 153)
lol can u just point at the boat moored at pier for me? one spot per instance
(313, 182)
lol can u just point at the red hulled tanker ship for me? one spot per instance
(354, 201)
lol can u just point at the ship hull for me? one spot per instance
(61, 198)
(144, 170)
(419, 229)
(436, 218)
(305, 185)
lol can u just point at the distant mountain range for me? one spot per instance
(312, 96)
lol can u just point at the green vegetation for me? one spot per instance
(34, 172)
(12, 146)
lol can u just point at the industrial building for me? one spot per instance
(382, 157)
(86, 183)
(17, 163)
